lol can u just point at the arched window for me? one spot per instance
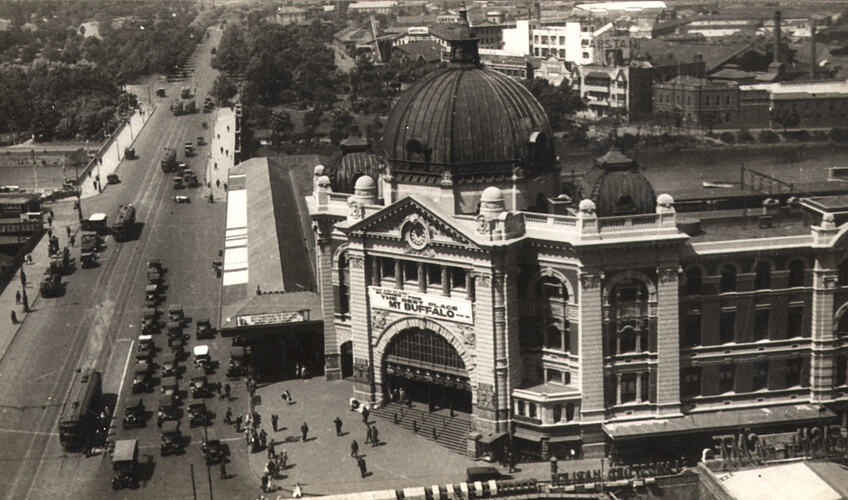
(553, 338)
(762, 277)
(344, 282)
(694, 280)
(796, 273)
(552, 288)
(728, 278)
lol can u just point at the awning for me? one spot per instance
(718, 420)
(491, 437)
(531, 435)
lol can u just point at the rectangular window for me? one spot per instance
(794, 325)
(692, 330)
(760, 375)
(562, 53)
(410, 272)
(520, 407)
(691, 381)
(841, 370)
(557, 412)
(554, 376)
(628, 388)
(585, 55)
(457, 277)
(761, 324)
(727, 327)
(544, 52)
(566, 378)
(562, 40)
(544, 40)
(387, 268)
(643, 389)
(569, 411)
(726, 378)
(536, 39)
(434, 275)
(532, 407)
(793, 372)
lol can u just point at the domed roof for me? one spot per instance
(474, 123)
(492, 194)
(353, 159)
(365, 182)
(617, 187)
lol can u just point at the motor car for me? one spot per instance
(142, 380)
(182, 199)
(198, 414)
(171, 441)
(175, 312)
(204, 329)
(124, 464)
(170, 366)
(202, 359)
(134, 413)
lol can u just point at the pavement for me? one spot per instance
(64, 216)
(323, 465)
(219, 157)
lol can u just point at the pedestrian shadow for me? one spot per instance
(380, 443)
(313, 438)
(343, 434)
(291, 439)
(368, 474)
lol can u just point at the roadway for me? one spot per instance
(96, 322)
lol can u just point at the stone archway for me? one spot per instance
(392, 331)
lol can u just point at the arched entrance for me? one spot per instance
(428, 369)
(347, 359)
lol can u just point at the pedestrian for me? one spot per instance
(246, 436)
(238, 423)
(365, 415)
(23, 279)
(73, 240)
(265, 483)
(68, 231)
(354, 449)
(14, 318)
(511, 458)
(304, 429)
(248, 420)
(263, 437)
(18, 297)
(275, 419)
(298, 491)
(369, 435)
(26, 303)
(338, 423)
(217, 183)
(362, 468)
(288, 397)
(218, 390)
(51, 213)
(227, 391)
(223, 469)
(49, 233)
(272, 453)
(375, 440)
(50, 221)
(284, 458)
(228, 417)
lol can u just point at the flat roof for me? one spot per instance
(779, 482)
(839, 87)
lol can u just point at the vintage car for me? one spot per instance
(237, 365)
(134, 413)
(142, 381)
(148, 322)
(175, 313)
(175, 329)
(182, 199)
(213, 451)
(204, 329)
(170, 366)
(145, 343)
(167, 409)
(198, 415)
(202, 359)
(124, 464)
(171, 385)
(155, 265)
(171, 442)
(200, 387)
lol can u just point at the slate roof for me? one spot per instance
(353, 160)
(425, 50)
(613, 177)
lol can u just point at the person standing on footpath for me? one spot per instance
(363, 470)
(375, 440)
(365, 415)
(369, 435)
(223, 469)
(18, 297)
(304, 429)
(354, 449)
(338, 423)
(275, 419)
(271, 451)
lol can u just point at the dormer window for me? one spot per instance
(625, 205)
(414, 150)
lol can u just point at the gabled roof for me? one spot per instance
(425, 50)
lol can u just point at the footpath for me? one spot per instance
(64, 216)
(220, 157)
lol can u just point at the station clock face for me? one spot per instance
(417, 235)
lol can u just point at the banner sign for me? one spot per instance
(270, 318)
(430, 306)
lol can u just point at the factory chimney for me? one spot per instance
(777, 36)
(537, 11)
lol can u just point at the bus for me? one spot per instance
(78, 422)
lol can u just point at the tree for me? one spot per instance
(312, 118)
(559, 102)
(281, 125)
(223, 89)
(232, 53)
(786, 118)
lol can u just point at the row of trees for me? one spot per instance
(59, 83)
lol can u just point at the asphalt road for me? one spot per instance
(97, 322)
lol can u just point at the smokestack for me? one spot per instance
(813, 62)
(537, 10)
(777, 36)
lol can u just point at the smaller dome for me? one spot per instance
(319, 170)
(491, 194)
(324, 181)
(365, 182)
(586, 205)
(665, 200)
(828, 221)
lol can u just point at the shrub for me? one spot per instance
(744, 135)
(727, 137)
(769, 137)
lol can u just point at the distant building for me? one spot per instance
(610, 9)
(515, 65)
(291, 15)
(698, 102)
(604, 89)
(425, 51)
(372, 6)
(816, 104)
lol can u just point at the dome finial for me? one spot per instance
(464, 42)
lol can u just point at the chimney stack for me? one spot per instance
(777, 36)
(537, 10)
(813, 62)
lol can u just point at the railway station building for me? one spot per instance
(594, 320)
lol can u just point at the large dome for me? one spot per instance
(475, 124)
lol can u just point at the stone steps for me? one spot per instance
(450, 432)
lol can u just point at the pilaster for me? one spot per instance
(363, 364)
(485, 381)
(668, 341)
(324, 270)
(591, 348)
(822, 348)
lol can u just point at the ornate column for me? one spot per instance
(360, 326)
(823, 341)
(485, 399)
(323, 229)
(668, 341)
(591, 329)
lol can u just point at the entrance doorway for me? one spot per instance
(347, 359)
(427, 369)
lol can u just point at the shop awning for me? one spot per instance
(531, 435)
(718, 420)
